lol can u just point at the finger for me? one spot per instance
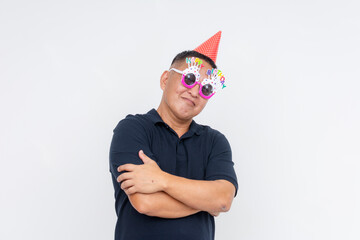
(126, 184)
(126, 167)
(143, 156)
(124, 176)
(130, 190)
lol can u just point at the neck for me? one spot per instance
(180, 126)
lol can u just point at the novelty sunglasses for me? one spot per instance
(191, 77)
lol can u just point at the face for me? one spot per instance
(185, 103)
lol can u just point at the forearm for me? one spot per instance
(160, 204)
(205, 195)
(209, 196)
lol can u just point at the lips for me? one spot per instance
(189, 101)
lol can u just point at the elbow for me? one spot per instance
(142, 208)
(224, 203)
(226, 196)
(141, 203)
(224, 207)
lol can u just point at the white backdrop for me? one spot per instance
(70, 70)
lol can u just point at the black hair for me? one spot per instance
(191, 53)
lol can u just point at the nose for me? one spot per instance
(194, 92)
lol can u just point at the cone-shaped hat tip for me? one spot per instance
(210, 47)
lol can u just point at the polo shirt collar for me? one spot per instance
(155, 118)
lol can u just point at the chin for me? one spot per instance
(187, 113)
(182, 110)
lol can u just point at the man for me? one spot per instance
(171, 175)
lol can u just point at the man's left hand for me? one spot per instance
(145, 178)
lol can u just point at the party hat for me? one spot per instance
(210, 47)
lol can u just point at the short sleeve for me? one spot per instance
(128, 139)
(220, 164)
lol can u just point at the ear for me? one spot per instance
(163, 79)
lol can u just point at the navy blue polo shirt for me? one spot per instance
(202, 153)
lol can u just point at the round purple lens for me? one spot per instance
(207, 89)
(190, 79)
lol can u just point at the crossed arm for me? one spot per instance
(154, 192)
